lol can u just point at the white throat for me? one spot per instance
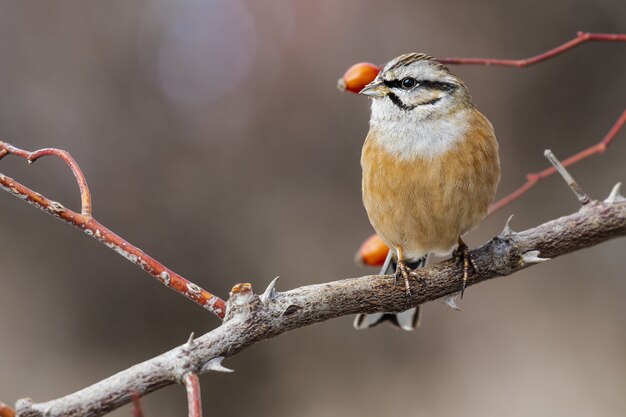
(420, 132)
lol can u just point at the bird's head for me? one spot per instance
(416, 85)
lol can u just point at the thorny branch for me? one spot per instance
(251, 318)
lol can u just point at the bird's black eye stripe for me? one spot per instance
(433, 85)
(393, 83)
(438, 85)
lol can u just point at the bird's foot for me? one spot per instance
(405, 272)
(462, 254)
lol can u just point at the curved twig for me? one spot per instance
(31, 157)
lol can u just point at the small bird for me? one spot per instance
(430, 165)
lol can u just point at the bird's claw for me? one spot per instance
(404, 272)
(462, 254)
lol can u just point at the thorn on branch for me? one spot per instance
(450, 301)
(532, 257)
(270, 291)
(190, 342)
(215, 365)
(507, 231)
(571, 182)
(615, 196)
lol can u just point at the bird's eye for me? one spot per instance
(408, 83)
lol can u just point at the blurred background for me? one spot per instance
(213, 138)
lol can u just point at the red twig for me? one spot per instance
(93, 228)
(581, 37)
(31, 157)
(6, 411)
(192, 385)
(137, 411)
(534, 178)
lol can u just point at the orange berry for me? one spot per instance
(358, 76)
(372, 252)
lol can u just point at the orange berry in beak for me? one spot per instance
(358, 76)
(372, 252)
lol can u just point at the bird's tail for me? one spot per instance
(407, 320)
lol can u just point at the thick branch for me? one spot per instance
(252, 318)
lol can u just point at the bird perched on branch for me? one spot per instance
(430, 166)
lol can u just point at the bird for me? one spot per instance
(430, 168)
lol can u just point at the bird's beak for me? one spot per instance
(374, 89)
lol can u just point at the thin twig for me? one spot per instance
(137, 410)
(581, 37)
(31, 157)
(194, 399)
(569, 180)
(93, 228)
(252, 318)
(534, 178)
